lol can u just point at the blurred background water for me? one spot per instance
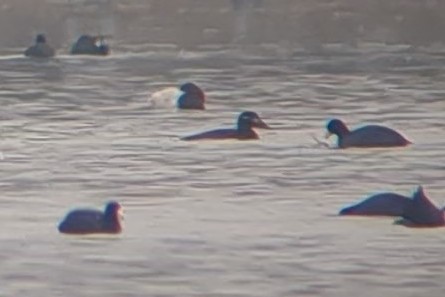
(191, 23)
(218, 218)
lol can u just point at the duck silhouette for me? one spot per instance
(247, 120)
(90, 45)
(415, 211)
(365, 137)
(90, 221)
(40, 49)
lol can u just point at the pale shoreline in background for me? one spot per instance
(191, 22)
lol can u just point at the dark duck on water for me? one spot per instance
(247, 120)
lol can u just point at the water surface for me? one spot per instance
(218, 218)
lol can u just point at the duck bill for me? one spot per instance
(327, 135)
(260, 124)
(120, 214)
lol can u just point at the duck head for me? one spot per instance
(114, 209)
(113, 216)
(250, 119)
(40, 38)
(192, 98)
(336, 127)
(192, 89)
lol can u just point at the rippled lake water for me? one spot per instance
(222, 218)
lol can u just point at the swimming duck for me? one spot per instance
(90, 45)
(366, 136)
(246, 121)
(40, 49)
(89, 221)
(192, 98)
(415, 211)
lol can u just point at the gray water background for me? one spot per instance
(218, 218)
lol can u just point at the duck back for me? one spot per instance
(373, 136)
(82, 221)
(223, 134)
(384, 204)
(40, 50)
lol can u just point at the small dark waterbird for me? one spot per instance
(365, 137)
(90, 45)
(415, 211)
(91, 221)
(40, 49)
(247, 120)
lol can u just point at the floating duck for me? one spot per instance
(90, 45)
(366, 136)
(91, 221)
(415, 211)
(40, 49)
(247, 120)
